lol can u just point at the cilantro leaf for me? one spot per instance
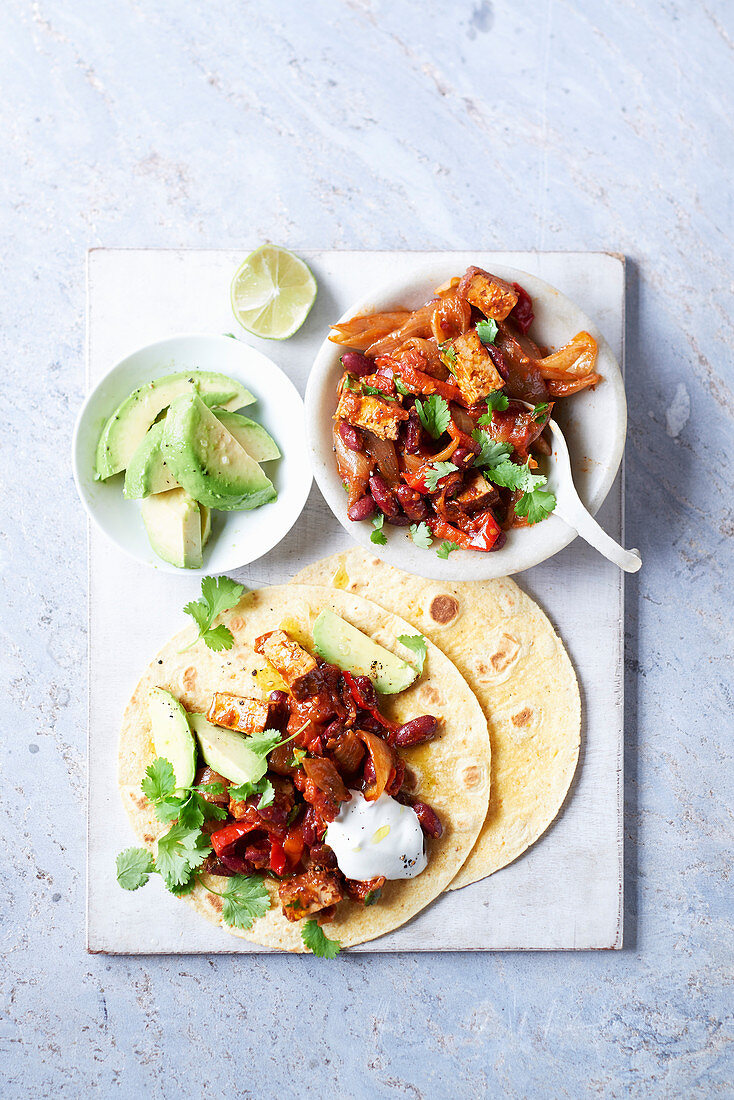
(436, 471)
(492, 452)
(448, 355)
(434, 415)
(159, 781)
(218, 594)
(378, 536)
(417, 644)
(263, 787)
(264, 743)
(401, 387)
(540, 410)
(299, 755)
(211, 788)
(536, 505)
(180, 850)
(446, 548)
(317, 942)
(218, 638)
(191, 815)
(244, 900)
(168, 809)
(421, 535)
(497, 400)
(508, 475)
(134, 867)
(372, 391)
(487, 331)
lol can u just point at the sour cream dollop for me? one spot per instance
(377, 838)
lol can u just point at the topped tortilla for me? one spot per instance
(452, 772)
(517, 666)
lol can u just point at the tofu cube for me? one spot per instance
(382, 418)
(237, 712)
(474, 371)
(290, 660)
(492, 295)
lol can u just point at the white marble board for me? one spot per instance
(567, 891)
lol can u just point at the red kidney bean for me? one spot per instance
(499, 360)
(383, 497)
(413, 503)
(463, 457)
(362, 508)
(416, 731)
(278, 710)
(366, 690)
(413, 433)
(428, 819)
(500, 541)
(358, 364)
(351, 436)
(398, 521)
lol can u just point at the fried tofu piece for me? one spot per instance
(478, 494)
(290, 660)
(237, 712)
(309, 892)
(492, 295)
(382, 418)
(475, 373)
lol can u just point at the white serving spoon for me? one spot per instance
(570, 509)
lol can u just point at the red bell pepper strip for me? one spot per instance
(278, 858)
(361, 702)
(228, 836)
(421, 383)
(482, 534)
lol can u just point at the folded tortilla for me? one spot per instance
(453, 771)
(516, 665)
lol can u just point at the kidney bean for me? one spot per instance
(413, 503)
(362, 508)
(413, 433)
(499, 360)
(428, 819)
(463, 457)
(351, 436)
(358, 364)
(500, 541)
(366, 690)
(416, 731)
(322, 856)
(278, 710)
(383, 497)
(400, 520)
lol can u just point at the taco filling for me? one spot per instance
(307, 787)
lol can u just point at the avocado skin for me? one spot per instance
(195, 446)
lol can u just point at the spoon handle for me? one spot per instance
(586, 526)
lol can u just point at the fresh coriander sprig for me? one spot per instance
(436, 471)
(446, 548)
(421, 535)
(496, 401)
(317, 942)
(536, 503)
(487, 331)
(434, 415)
(417, 644)
(218, 594)
(378, 535)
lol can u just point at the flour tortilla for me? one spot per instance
(453, 770)
(516, 665)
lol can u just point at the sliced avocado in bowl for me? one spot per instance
(177, 526)
(147, 472)
(208, 461)
(227, 752)
(341, 644)
(250, 435)
(172, 736)
(125, 430)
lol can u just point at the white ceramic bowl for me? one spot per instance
(237, 538)
(593, 421)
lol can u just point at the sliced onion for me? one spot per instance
(353, 467)
(575, 360)
(383, 454)
(323, 774)
(384, 761)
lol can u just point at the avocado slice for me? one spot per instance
(206, 524)
(174, 524)
(147, 472)
(208, 461)
(258, 443)
(172, 736)
(341, 644)
(126, 428)
(226, 752)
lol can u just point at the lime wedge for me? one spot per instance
(272, 293)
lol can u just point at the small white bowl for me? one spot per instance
(237, 538)
(593, 421)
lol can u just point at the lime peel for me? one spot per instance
(272, 293)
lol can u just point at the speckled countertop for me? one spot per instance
(584, 124)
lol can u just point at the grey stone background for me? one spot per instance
(580, 124)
